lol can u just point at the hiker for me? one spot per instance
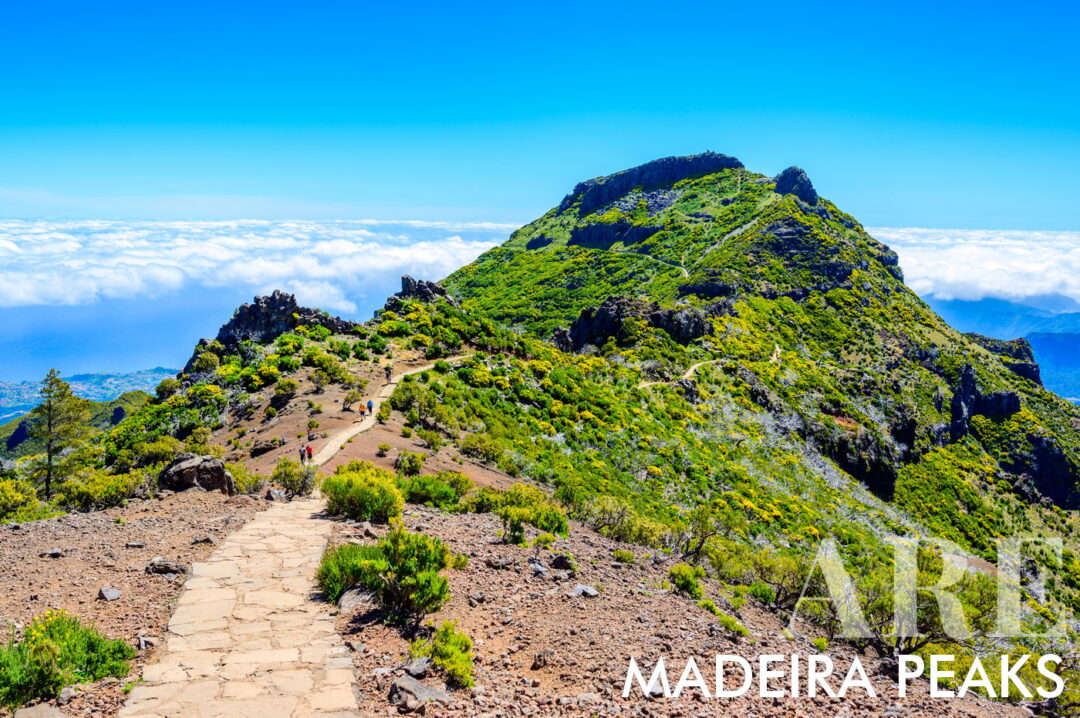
(309, 452)
(371, 407)
(388, 373)
(303, 454)
(362, 412)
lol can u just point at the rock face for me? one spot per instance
(189, 471)
(268, 317)
(601, 235)
(794, 181)
(596, 324)
(968, 401)
(21, 434)
(1016, 354)
(421, 289)
(596, 193)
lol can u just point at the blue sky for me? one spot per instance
(466, 120)
(913, 114)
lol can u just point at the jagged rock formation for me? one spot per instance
(794, 181)
(1016, 354)
(968, 401)
(595, 193)
(268, 317)
(597, 324)
(419, 289)
(190, 471)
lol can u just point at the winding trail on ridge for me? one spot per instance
(335, 441)
(250, 636)
(686, 375)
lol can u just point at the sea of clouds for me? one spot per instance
(324, 263)
(973, 264)
(329, 264)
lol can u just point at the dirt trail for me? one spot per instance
(338, 439)
(686, 375)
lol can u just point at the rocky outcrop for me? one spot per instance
(190, 471)
(421, 289)
(1016, 354)
(601, 235)
(968, 401)
(595, 193)
(596, 325)
(416, 289)
(794, 181)
(21, 434)
(538, 242)
(268, 317)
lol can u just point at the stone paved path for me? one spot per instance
(248, 637)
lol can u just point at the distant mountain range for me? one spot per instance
(17, 398)
(1054, 335)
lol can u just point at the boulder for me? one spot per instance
(189, 471)
(421, 289)
(163, 566)
(356, 598)
(584, 590)
(794, 181)
(108, 593)
(418, 667)
(407, 688)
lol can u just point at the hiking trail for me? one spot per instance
(250, 635)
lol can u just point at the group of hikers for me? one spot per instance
(307, 453)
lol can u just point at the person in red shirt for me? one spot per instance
(309, 452)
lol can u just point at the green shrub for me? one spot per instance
(429, 490)
(480, 446)
(347, 566)
(685, 579)
(402, 569)
(382, 449)
(92, 490)
(514, 519)
(161, 450)
(19, 502)
(820, 644)
(451, 651)
(432, 439)
(624, 556)
(406, 431)
(167, 388)
(297, 480)
(410, 463)
(206, 362)
(363, 492)
(270, 412)
(731, 624)
(458, 561)
(57, 650)
(459, 482)
(285, 389)
(383, 413)
(247, 481)
(763, 592)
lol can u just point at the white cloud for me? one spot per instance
(326, 263)
(974, 264)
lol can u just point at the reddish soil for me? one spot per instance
(591, 639)
(96, 553)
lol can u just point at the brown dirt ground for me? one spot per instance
(593, 638)
(95, 554)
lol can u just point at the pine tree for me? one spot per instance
(57, 423)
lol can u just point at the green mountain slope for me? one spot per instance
(15, 442)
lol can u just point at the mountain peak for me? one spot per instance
(794, 180)
(595, 193)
